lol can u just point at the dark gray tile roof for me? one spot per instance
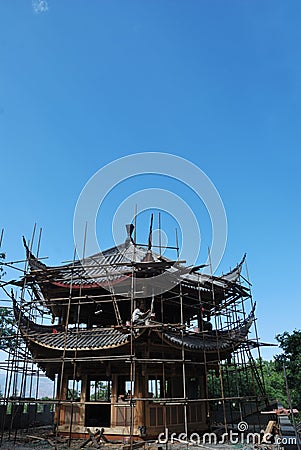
(105, 338)
(209, 341)
(115, 264)
(213, 340)
(55, 336)
(93, 339)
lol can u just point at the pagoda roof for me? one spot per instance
(77, 339)
(116, 264)
(213, 340)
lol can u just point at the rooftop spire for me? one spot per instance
(129, 230)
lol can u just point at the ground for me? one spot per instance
(43, 439)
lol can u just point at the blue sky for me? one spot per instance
(215, 82)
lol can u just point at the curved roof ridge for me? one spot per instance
(234, 273)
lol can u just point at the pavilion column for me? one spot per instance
(57, 397)
(114, 400)
(203, 407)
(82, 407)
(140, 392)
(61, 394)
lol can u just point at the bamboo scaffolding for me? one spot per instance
(24, 374)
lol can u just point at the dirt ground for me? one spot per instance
(45, 439)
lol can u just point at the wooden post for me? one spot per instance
(114, 400)
(82, 408)
(140, 392)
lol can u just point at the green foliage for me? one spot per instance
(72, 394)
(241, 382)
(274, 382)
(236, 381)
(7, 330)
(7, 321)
(100, 390)
(291, 358)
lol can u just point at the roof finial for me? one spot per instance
(129, 229)
(150, 236)
(149, 257)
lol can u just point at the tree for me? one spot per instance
(7, 321)
(274, 382)
(291, 358)
(237, 381)
(7, 331)
(242, 382)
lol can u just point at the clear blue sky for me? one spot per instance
(216, 82)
